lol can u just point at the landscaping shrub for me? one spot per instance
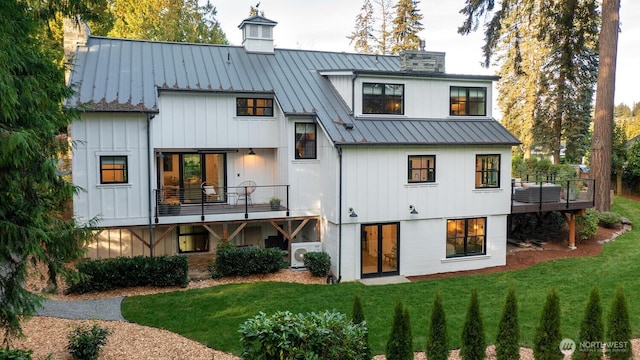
(123, 272)
(318, 263)
(587, 224)
(283, 335)
(15, 354)
(591, 329)
(619, 331)
(400, 343)
(508, 339)
(85, 342)
(547, 337)
(473, 341)
(357, 318)
(438, 339)
(245, 261)
(609, 219)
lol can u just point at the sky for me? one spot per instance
(325, 24)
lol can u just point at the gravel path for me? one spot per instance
(100, 309)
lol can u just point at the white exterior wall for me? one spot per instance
(375, 185)
(111, 134)
(422, 99)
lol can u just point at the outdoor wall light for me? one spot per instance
(352, 213)
(412, 210)
(251, 152)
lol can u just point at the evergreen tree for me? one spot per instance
(407, 25)
(619, 330)
(33, 197)
(361, 36)
(358, 318)
(591, 328)
(438, 339)
(473, 341)
(400, 343)
(547, 337)
(508, 339)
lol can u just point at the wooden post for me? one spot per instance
(571, 221)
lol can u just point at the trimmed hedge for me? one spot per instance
(318, 263)
(283, 335)
(123, 272)
(245, 261)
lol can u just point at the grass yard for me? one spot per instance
(213, 315)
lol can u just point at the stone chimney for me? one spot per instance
(257, 34)
(422, 61)
(76, 33)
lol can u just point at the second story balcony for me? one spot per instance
(208, 201)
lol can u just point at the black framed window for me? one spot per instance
(193, 239)
(466, 237)
(487, 171)
(422, 168)
(468, 101)
(305, 139)
(254, 107)
(378, 98)
(113, 170)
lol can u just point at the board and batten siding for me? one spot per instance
(209, 121)
(111, 134)
(423, 98)
(375, 185)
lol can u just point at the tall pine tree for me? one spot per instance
(406, 26)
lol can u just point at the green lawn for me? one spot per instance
(213, 315)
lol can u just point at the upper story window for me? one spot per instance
(254, 107)
(468, 101)
(306, 141)
(422, 168)
(113, 170)
(487, 171)
(382, 98)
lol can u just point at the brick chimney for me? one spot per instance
(422, 61)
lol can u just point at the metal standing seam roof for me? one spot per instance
(122, 75)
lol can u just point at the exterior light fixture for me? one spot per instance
(251, 152)
(412, 210)
(352, 213)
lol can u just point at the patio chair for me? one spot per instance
(209, 192)
(245, 189)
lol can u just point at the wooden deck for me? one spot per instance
(561, 205)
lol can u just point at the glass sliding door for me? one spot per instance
(379, 249)
(182, 174)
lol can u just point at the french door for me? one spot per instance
(182, 175)
(380, 244)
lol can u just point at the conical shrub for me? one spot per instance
(508, 338)
(619, 330)
(591, 330)
(473, 341)
(547, 337)
(358, 318)
(438, 339)
(400, 343)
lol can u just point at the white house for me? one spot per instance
(392, 165)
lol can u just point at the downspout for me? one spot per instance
(339, 213)
(151, 157)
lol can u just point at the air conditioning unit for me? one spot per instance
(299, 249)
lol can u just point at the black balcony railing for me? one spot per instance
(548, 193)
(210, 199)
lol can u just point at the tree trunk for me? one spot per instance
(603, 122)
